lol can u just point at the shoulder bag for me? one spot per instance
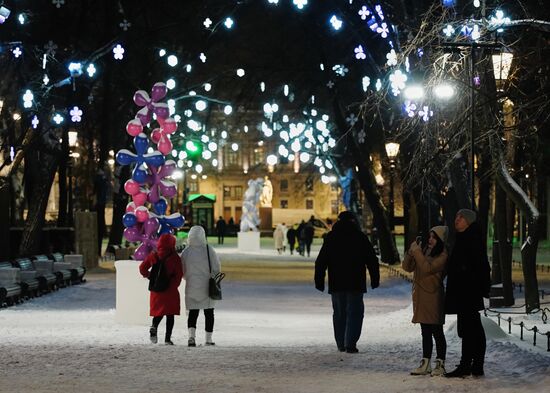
(214, 283)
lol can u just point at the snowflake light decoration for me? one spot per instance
(118, 52)
(409, 108)
(361, 136)
(364, 12)
(273, 1)
(397, 80)
(425, 113)
(330, 84)
(383, 30)
(35, 122)
(17, 52)
(378, 85)
(125, 25)
(378, 9)
(76, 114)
(202, 57)
(28, 97)
(448, 31)
(207, 23)
(58, 3)
(392, 58)
(58, 119)
(360, 53)
(91, 70)
(228, 23)
(352, 119)
(300, 4)
(340, 70)
(45, 80)
(336, 23)
(365, 82)
(50, 48)
(498, 20)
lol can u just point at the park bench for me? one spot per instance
(47, 281)
(45, 265)
(30, 285)
(10, 289)
(73, 263)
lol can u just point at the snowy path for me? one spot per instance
(270, 338)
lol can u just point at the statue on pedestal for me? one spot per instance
(267, 193)
(250, 219)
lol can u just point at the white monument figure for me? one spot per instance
(249, 236)
(267, 193)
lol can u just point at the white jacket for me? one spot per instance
(195, 270)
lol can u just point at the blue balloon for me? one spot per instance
(129, 220)
(175, 221)
(160, 207)
(125, 157)
(155, 159)
(165, 229)
(141, 143)
(139, 174)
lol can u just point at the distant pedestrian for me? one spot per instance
(203, 225)
(166, 303)
(220, 229)
(291, 237)
(300, 237)
(308, 233)
(285, 239)
(347, 253)
(468, 282)
(200, 262)
(428, 294)
(278, 236)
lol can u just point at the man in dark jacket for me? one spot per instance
(468, 282)
(220, 229)
(346, 252)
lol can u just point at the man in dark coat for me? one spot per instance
(468, 282)
(308, 233)
(300, 237)
(291, 237)
(347, 253)
(220, 229)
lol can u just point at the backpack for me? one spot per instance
(159, 281)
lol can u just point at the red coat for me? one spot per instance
(167, 302)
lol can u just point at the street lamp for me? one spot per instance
(392, 149)
(502, 62)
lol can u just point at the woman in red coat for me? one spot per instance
(166, 302)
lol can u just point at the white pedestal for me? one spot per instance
(248, 241)
(132, 295)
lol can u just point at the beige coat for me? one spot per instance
(428, 293)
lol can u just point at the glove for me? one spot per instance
(374, 284)
(320, 287)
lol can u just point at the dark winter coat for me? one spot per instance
(291, 237)
(167, 302)
(220, 227)
(309, 231)
(346, 253)
(469, 279)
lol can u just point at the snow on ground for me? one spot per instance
(270, 338)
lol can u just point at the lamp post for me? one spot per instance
(392, 149)
(73, 142)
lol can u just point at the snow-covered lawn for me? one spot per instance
(270, 337)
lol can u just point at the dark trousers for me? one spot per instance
(169, 325)
(435, 331)
(308, 246)
(474, 342)
(347, 318)
(220, 238)
(208, 316)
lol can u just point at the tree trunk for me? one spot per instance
(484, 196)
(529, 248)
(504, 246)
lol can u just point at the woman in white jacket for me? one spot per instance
(197, 272)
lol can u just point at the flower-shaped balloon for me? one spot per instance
(146, 234)
(134, 127)
(139, 195)
(167, 223)
(160, 187)
(150, 104)
(161, 136)
(126, 157)
(140, 212)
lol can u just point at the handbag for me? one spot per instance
(214, 283)
(159, 281)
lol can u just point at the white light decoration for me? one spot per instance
(177, 118)
(207, 87)
(365, 82)
(162, 52)
(476, 34)
(207, 22)
(228, 109)
(45, 80)
(188, 68)
(174, 153)
(150, 150)
(91, 70)
(58, 119)
(190, 164)
(271, 159)
(325, 179)
(17, 52)
(190, 146)
(202, 57)
(291, 157)
(448, 31)
(27, 99)
(182, 155)
(234, 146)
(414, 92)
(21, 18)
(283, 151)
(172, 60)
(198, 168)
(273, 2)
(118, 52)
(215, 162)
(398, 79)
(228, 23)
(204, 138)
(285, 90)
(241, 73)
(180, 163)
(4, 14)
(76, 114)
(176, 175)
(170, 84)
(308, 145)
(444, 91)
(192, 93)
(328, 164)
(304, 157)
(212, 146)
(295, 146)
(391, 58)
(206, 154)
(477, 3)
(188, 112)
(224, 134)
(200, 105)
(16, 116)
(75, 69)
(267, 108)
(35, 122)
(262, 86)
(300, 4)
(378, 85)
(336, 23)
(194, 125)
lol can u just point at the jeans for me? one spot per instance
(347, 318)
(169, 325)
(474, 342)
(208, 316)
(427, 344)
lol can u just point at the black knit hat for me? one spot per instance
(346, 216)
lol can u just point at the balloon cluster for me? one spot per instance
(149, 182)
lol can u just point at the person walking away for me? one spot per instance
(347, 253)
(300, 238)
(428, 296)
(198, 270)
(278, 236)
(309, 231)
(220, 229)
(166, 303)
(291, 237)
(468, 282)
(285, 239)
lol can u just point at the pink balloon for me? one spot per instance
(130, 207)
(134, 127)
(164, 145)
(151, 226)
(131, 187)
(139, 198)
(169, 125)
(142, 213)
(156, 135)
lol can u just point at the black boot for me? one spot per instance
(463, 370)
(153, 334)
(477, 369)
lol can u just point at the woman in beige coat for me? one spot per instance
(428, 295)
